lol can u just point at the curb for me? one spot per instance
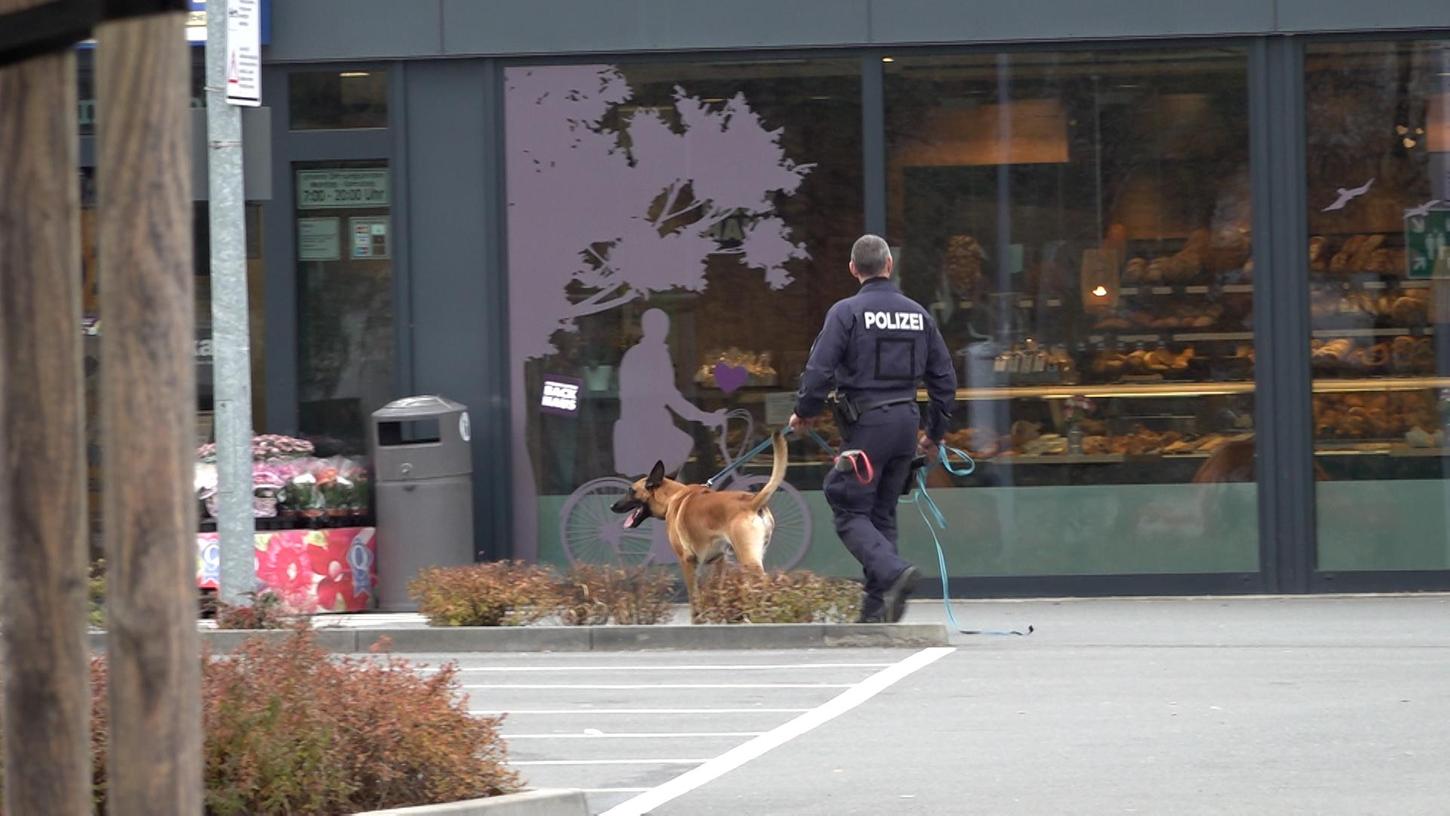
(528, 803)
(596, 638)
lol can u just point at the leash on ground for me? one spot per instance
(924, 502)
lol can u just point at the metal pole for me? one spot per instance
(43, 650)
(231, 350)
(148, 404)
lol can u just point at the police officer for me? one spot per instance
(873, 350)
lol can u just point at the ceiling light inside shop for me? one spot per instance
(1401, 129)
(1408, 143)
(888, 59)
(1100, 291)
(354, 74)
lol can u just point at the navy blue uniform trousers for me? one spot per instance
(865, 515)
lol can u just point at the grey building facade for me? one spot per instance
(1186, 366)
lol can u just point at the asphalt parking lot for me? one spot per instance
(1184, 706)
(620, 724)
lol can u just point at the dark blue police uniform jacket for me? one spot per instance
(875, 347)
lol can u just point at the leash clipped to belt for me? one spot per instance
(924, 502)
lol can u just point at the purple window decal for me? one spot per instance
(609, 203)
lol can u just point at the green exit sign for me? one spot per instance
(1427, 244)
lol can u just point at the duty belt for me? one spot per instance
(849, 409)
(872, 405)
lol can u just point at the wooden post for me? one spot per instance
(148, 404)
(42, 479)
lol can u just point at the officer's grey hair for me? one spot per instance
(870, 254)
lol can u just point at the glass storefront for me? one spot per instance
(1378, 127)
(1079, 222)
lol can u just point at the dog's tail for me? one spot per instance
(777, 472)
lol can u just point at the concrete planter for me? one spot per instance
(528, 803)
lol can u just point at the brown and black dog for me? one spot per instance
(702, 523)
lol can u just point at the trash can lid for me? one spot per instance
(423, 405)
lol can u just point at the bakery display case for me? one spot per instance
(1377, 221)
(1089, 259)
(1139, 378)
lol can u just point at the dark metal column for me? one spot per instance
(873, 144)
(1283, 381)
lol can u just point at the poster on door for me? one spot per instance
(318, 239)
(369, 238)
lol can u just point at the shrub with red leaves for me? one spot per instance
(289, 729)
(266, 611)
(499, 593)
(592, 594)
(734, 595)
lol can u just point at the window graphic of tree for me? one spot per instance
(609, 201)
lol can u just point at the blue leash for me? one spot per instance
(924, 502)
(746, 457)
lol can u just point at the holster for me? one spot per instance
(844, 410)
(916, 464)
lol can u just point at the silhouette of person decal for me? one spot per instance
(645, 433)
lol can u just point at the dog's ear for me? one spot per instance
(656, 476)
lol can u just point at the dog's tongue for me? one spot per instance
(631, 519)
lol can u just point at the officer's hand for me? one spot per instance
(797, 424)
(924, 445)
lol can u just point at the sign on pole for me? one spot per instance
(244, 53)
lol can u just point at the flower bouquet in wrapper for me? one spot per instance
(336, 486)
(301, 496)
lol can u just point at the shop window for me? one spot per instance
(1079, 224)
(323, 100)
(1378, 154)
(344, 299)
(676, 232)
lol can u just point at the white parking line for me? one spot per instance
(666, 667)
(613, 790)
(609, 762)
(593, 711)
(741, 754)
(654, 735)
(610, 686)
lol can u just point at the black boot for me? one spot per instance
(894, 598)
